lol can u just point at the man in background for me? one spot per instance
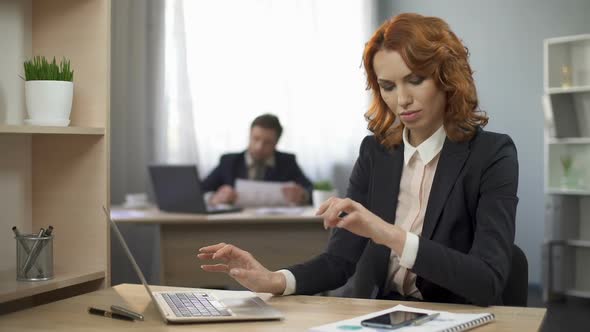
(261, 161)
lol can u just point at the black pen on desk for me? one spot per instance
(105, 313)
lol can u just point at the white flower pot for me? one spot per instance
(49, 102)
(320, 196)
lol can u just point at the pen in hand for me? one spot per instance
(105, 313)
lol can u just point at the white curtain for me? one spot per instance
(298, 59)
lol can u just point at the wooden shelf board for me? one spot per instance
(11, 289)
(15, 129)
(557, 191)
(578, 293)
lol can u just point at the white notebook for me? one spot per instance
(445, 322)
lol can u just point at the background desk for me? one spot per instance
(276, 241)
(301, 313)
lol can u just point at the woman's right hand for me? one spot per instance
(243, 267)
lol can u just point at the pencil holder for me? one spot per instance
(34, 257)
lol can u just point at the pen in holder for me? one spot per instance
(34, 256)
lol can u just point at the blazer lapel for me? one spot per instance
(242, 169)
(387, 174)
(452, 158)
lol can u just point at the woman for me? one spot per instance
(431, 203)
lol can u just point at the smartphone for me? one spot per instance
(393, 320)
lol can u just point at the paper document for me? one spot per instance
(446, 321)
(260, 193)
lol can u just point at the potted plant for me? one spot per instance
(322, 190)
(49, 90)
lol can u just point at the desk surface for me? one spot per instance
(301, 313)
(155, 216)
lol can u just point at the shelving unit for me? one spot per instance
(567, 167)
(56, 176)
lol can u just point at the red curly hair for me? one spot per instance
(430, 49)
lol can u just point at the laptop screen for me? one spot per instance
(177, 188)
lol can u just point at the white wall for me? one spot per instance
(505, 39)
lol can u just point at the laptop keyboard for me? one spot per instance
(194, 305)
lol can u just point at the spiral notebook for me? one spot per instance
(445, 322)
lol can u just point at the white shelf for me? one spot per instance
(15, 129)
(559, 191)
(569, 140)
(568, 243)
(573, 89)
(567, 39)
(11, 289)
(578, 243)
(578, 293)
(566, 53)
(567, 120)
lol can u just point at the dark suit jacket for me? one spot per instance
(232, 166)
(465, 248)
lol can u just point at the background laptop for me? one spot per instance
(197, 305)
(178, 189)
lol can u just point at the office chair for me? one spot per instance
(516, 290)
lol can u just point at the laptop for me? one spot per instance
(178, 189)
(195, 306)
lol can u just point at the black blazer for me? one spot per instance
(465, 248)
(232, 166)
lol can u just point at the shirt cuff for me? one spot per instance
(410, 251)
(290, 282)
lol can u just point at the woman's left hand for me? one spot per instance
(361, 221)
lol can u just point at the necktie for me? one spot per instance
(259, 170)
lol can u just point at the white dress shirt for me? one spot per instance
(416, 181)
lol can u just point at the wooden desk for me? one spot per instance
(276, 241)
(301, 313)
